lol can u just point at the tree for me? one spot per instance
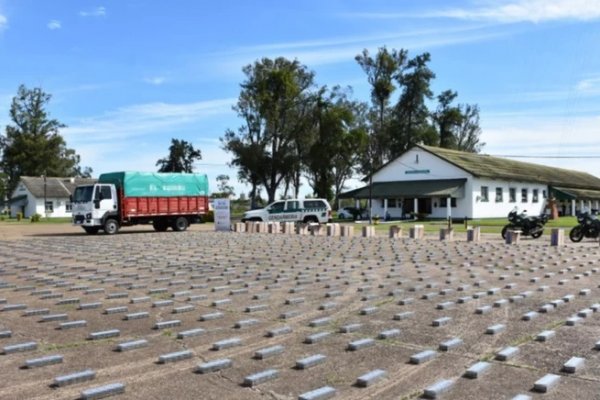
(381, 72)
(225, 190)
(341, 138)
(181, 158)
(32, 145)
(447, 119)
(469, 132)
(410, 123)
(274, 103)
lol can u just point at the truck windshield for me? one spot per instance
(83, 194)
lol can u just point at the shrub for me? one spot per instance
(35, 217)
(19, 216)
(209, 217)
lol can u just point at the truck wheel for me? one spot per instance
(91, 230)
(111, 226)
(311, 219)
(160, 225)
(180, 224)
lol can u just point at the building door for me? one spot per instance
(425, 206)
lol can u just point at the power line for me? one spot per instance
(523, 156)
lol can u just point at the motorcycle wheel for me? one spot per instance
(537, 231)
(504, 230)
(576, 234)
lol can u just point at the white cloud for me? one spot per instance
(143, 119)
(54, 24)
(3, 22)
(157, 80)
(96, 12)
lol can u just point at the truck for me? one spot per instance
(119, 199)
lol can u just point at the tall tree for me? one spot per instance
(381, 70)
(225, 190)
(32, 144)
(469, 132)
(411, 116)
(447, 118)
(341, 138)
(181, 158)
(274, 103)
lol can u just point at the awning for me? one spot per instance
(563, 193)
(410, 189)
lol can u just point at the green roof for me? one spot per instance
(409, 189)
(485, 166)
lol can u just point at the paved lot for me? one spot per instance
(243, 286)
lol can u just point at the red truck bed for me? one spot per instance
(150, 206)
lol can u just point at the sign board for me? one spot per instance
(222, 214)
(416, 171)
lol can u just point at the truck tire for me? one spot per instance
(111, 226)
(311, 219)
(160, 225)
(180, 224)
(91, 230)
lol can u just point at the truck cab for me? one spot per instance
(93, 205)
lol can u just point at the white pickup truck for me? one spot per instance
(293, 210)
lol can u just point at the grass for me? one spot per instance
(25, 221)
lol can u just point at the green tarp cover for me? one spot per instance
(147, 184)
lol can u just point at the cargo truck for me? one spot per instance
(118, 199)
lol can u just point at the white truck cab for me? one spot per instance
(292, 210)
(93, 204)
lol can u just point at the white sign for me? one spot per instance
(222, 214)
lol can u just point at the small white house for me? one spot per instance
(46, 196)
(442, 183)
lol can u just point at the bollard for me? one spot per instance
(288, 228)
(557, 237)
(239, 227)
(513, 237)
(417, 232)
(395, 232)
(368, 231)
(302, 229)
(347, 231)
(273, 227)
(333, 229)
(446, 234)
(315, 229)
(473, 234)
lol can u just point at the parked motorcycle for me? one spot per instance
(589, 227)
(529, 226)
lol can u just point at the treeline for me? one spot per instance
(294, 128)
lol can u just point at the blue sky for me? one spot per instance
(127, 76)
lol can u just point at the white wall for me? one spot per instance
(34, 205)
(493, 209)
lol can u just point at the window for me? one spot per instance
(544, 195)
(49, 206)
(444, 202)
(292, 205)
(106, 194)
(68, 207)
(534, 196)
(499, 195)
(392, 203)
(512, 195)
(484, 193)
(523, 195)
(277, 207)
(314, 204)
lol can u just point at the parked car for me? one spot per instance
(352, 213)
(292, 210)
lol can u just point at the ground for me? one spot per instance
(364, 281)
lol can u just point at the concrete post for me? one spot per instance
(368, 231)
(347, 231)
(302, 229)
(446, 234)
(417, 232)
(557, 237)
(473, 234)
(513, 237)
(395, 232)
(573, 208)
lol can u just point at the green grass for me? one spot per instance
(25, 221)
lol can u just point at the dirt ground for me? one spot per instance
(308, 284)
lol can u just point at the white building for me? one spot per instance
(442, 183)
(44, 195)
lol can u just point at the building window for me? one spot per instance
(534, 196)
(444, 202)
(68, 207)
(484, 193)
(523, 195)
(392, 203)
(512, 195)
(499, 195)
(49, 206)
(544, 195)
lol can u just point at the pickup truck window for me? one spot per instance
(277, 207)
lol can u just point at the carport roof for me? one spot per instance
(408, 189)
(564, 193)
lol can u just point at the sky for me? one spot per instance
(128, 76)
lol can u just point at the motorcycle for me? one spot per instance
(533, 226)
(589, 227)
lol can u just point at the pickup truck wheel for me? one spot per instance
(91, 230)
(160, 225)
(180, 224)
(111, 226)
(310, 219)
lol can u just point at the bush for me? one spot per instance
(19, 216)
(209, 216)
(35, 217)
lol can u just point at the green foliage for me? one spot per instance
(209, 216)
(33, 145)
(19, 216)
(181, 158)
(225, 190)
(35, 217)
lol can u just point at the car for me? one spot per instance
(292, 210)
(352, 213)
